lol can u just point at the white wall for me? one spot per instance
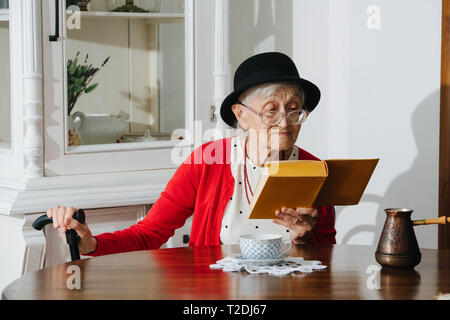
(380, 94)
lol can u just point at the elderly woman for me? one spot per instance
(215, 183)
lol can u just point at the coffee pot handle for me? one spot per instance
(440, 220)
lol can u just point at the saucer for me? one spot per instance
(258, 262)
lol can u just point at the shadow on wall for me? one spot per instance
(259, 26)
(407, 190)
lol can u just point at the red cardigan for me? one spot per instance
(202, 187)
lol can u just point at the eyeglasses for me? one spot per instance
(272, 118)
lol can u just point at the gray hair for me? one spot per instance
(267, 90)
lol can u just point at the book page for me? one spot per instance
(346, 181)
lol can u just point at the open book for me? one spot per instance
(309, 183)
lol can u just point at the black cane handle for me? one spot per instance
(71, 235)
(44, 220)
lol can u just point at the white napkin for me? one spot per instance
(284, 267)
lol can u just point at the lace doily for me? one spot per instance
(285, 266)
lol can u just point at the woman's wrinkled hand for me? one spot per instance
(63, 221)
(299, 221)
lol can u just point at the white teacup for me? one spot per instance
(261, 246)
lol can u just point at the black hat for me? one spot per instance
(264, 68)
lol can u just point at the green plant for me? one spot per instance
(79, 77)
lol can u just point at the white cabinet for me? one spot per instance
(130, 127)
(152, 76)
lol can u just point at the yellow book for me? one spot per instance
(309, 183)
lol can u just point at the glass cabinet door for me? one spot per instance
(125, 67)
(5, 77)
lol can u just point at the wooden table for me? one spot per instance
(184, 273)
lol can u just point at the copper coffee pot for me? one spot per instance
(398, 247)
